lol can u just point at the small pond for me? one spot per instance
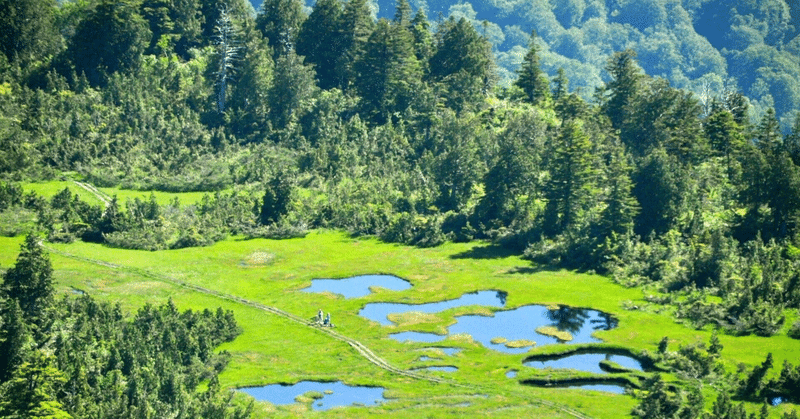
(608, 388)
(589, 362)
(445, 368)
(417, 337)
(520, 324)
(511, 373)
(379, 311)
(334, 394)
(358, 286)
(585, 385)
(450, 351)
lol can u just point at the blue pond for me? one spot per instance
(379, 311)
(358, 286)
(341, 394)
(521, 323)
(445, 368)
(608, 388)
(450, 351)
(589, 362)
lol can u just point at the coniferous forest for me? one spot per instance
(662, 165)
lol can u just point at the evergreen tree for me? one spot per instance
(403, 14)
(279, 21)
(724, 135)
(390, 75)
(514, 173)
(423, 39)
(792, 141)
(319, 41)
(292, 89)
(659, 189)
(560, 85)
(111, 39)
(276, 200)
(33, 389)
(250, 95)
(176, 25)
(657, 403)
(29, 32)
(621, 207)
(768, 134)
(572, 178)
(532, 80)
(355, 27)
(463, 64)
(14, 338)
(30, 283)
(623, 88)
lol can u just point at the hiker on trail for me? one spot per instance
(327, 320)
(319, 316)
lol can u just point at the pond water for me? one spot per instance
(585, 385)
(521, 324)
(417, 337)
(511, 373)
(445, 368)
(358, 286)
(450, 351)
(334, 394)
(589, 362)
(379, 311)
(608, 388)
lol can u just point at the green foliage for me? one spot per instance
(462, 63)
(111, 39)
(29, 32)
(532, 79)
(30, 284)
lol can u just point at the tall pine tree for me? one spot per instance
(532, 79)
(30, 283)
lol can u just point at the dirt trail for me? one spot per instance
(105, 199)
(358, 346)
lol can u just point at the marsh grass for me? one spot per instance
(272, 349)
(522, 343)
(554, 332)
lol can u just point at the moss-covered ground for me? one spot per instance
(274, 349)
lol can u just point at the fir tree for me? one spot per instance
(532, 79)
(572, 178)
(320, 42)
(30, 283)
(279, 21)
(623, 88)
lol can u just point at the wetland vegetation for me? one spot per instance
(179, 178)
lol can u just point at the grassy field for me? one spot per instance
(273, 349)
(50, 188)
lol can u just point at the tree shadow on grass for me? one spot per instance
(491, 251)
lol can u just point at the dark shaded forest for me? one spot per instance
(294, 118)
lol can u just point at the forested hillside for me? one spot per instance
(324, 117)
(705, 46)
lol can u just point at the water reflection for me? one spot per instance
(379, 311)
(358, 286)
(589, 362)
(333, 394)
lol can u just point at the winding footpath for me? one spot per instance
(359, 347)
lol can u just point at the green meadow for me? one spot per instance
(273, 349)
(50, 188)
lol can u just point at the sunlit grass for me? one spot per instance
(273, 349)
